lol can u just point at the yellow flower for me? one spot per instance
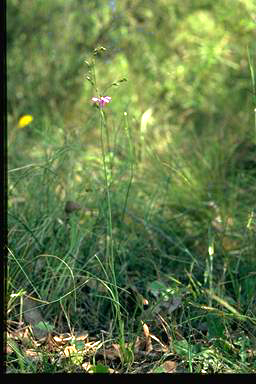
(25, 120)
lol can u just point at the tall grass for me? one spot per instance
(173, 224)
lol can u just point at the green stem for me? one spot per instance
(109, 238)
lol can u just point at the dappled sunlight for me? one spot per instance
(131, 187)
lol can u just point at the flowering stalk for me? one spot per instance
(109, 238)
(101, 101)
(110, 249)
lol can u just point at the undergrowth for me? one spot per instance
(154, 262)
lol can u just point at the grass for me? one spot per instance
(156, 269)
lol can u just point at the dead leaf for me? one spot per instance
(139, 344)
(59, 340)
(116, 352)
(32, 354)
(169, 366)
(164, 348)
(70, 350)
(82, 336)
(8, 349)
(149, 347)
(86, 366)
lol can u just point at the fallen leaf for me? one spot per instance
(116, 352)
(86, 366)
(170, 366)
(70, 350)
(149, 347)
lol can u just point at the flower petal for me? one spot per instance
(102, 100)
(106, 99)
(24, 121)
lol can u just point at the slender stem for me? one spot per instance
(110, 250)
(109, 238)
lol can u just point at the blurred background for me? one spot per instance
(189, 94)
(180, 148)
(187, 63)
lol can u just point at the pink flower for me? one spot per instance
(102, 100)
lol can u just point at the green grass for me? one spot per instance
(164, 175)
(154, 228)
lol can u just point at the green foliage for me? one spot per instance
(164, 174)
(100, 368)
(44, 326)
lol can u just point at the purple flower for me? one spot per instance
(101, 100)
